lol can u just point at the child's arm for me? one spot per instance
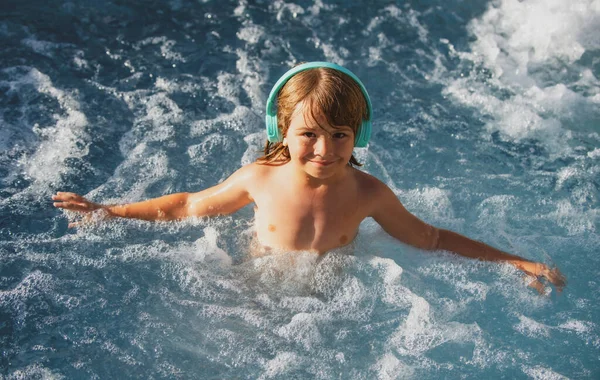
(224, 198)
(404, 226)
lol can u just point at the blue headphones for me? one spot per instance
(273, 134)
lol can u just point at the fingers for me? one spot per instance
(74, 224)
(555, 277)
(73, 202)
(75, 206)
(540, 273)
(537, 285)
(65, 196)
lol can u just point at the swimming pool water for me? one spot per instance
(486, 121)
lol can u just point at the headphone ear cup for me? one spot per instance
(273, 134)
(363, 135)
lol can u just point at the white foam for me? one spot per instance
(302, 329)
(517, 118)
(512, 34)
(34, 371)
(201, 153)
(251, 33)
(594, 154)
(166, 47)
(532, 328)
(228, 87)
(242, 119)
(14, 300)
(522, 43)
(352, 300)
(33, 284)
(389, 367)
(431, 203)
(46, 48)
(336, 54)
(282, 363)
(317, 6)
(420, 332)
(252, 74)
(67, 138)
(564, 174)
(255, 142)
(494, 211)
(575, 219)
(189, 86)
(542, 373)
(285, 9)
(581, 327)
(207, 249)
(80, 61)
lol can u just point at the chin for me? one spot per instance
(325, 172)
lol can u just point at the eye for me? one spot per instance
(309, 134)
(339, 135)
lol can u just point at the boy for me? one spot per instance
(307, 193)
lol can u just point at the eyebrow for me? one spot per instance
(313, 124)
(332, 129)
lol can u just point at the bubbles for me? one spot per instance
(52, 145)
(390, 367)
(251, 34)
(46, 48)
(301, 330)
(574, 219)
(129, 103)
(528, 70)
(532, 329)
(283, 363)
(434, 202)
(35, 371)
(539, 373)
(166, 48)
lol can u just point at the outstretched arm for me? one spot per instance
(404, 226)
(224, 198)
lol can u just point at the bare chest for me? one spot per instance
(317, 221)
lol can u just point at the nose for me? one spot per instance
(323, 146)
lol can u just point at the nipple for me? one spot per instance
(271, 228)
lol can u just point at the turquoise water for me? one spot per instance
(487, 122)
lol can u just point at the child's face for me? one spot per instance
(322, 151)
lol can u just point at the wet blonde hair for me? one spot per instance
(324, 91)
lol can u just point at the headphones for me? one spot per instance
(274, 135)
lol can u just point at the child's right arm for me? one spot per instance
(224, 198)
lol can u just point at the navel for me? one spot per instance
(271, 228)
(344, 239)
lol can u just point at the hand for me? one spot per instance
(542, 271)
(77, 203)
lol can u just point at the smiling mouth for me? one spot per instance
(322, 163)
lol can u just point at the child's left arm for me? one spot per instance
(391, 215)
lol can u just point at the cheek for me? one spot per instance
(298, 148)
(303, 145)
(346, 147)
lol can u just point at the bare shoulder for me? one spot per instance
(369, 185)
(255, 177)
(256, 171)
(375, 194)
(251, 171)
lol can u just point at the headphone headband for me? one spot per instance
(273, 134)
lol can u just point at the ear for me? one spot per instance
(284, 143)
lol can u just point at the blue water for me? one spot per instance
(487, 122)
